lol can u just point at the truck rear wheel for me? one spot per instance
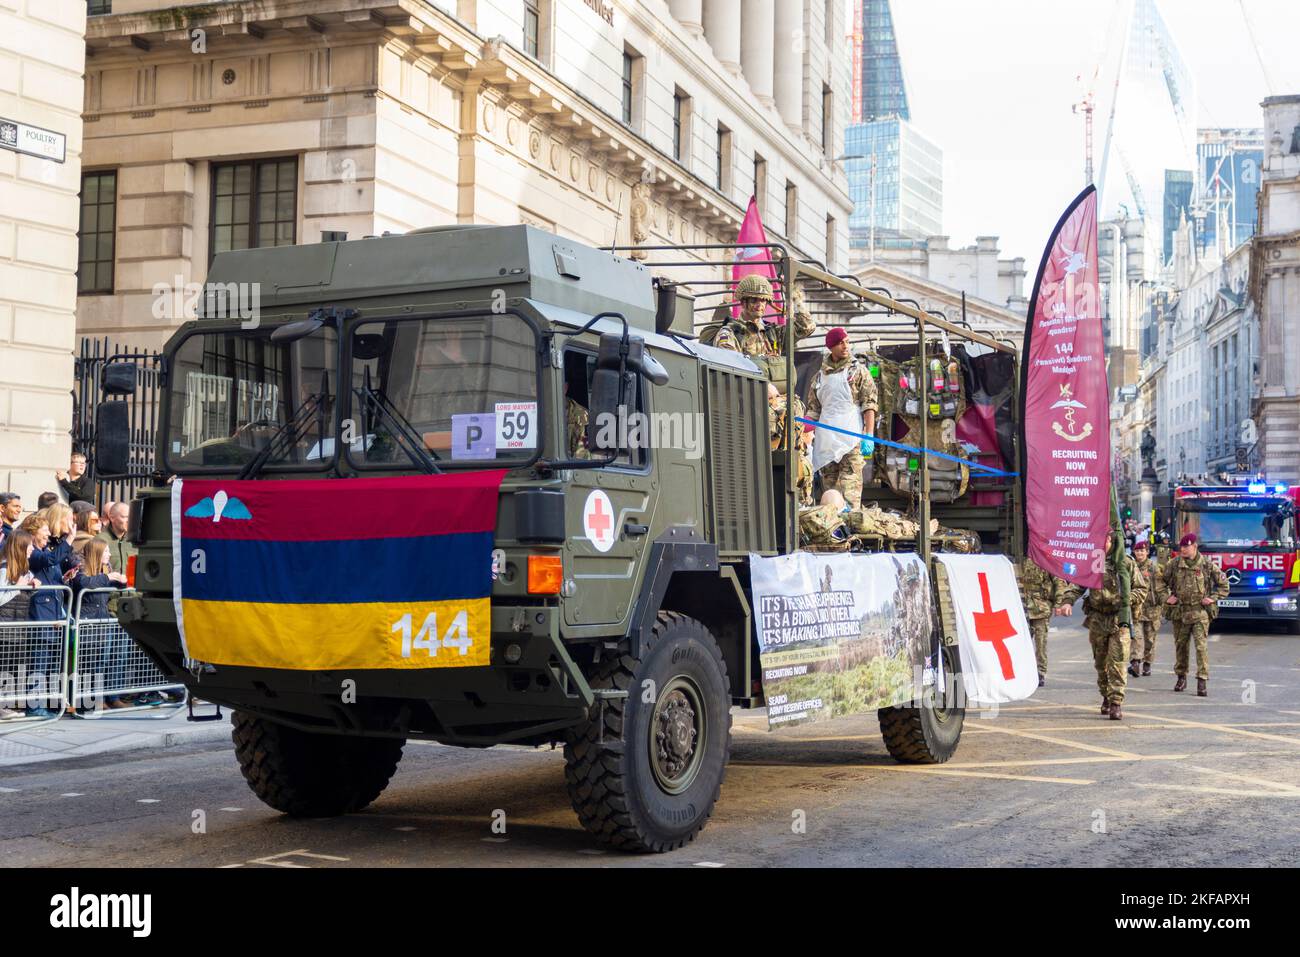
(312, 775)
(926, 732)
(645, 771)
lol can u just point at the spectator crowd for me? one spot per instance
(65, 541)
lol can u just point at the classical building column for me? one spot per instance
(722, 30)
(690, 14)
(757, 42)
(788, 62)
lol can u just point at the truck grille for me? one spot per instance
(740, 463)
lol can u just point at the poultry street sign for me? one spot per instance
(33, 140)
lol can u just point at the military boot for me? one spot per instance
(1181, 683)
(1202, 688)
(1146, 669)
(1105, 706)
(1116, 711)
(1133, 668)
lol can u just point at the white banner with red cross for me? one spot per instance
(997, 651)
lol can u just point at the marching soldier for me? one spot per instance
(843, 395)
(1195, 585)
(1146, 619)
(1110, 640)
(1039, 591)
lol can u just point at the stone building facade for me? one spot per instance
(243, 123)
(41, 54)
(1275, 291)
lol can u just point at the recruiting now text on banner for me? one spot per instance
(1066, 414)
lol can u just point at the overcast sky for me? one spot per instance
(992, 82)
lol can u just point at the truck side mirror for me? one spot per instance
(118, 378)
(613, 388)
(112, 440)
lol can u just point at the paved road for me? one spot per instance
(1182, 781)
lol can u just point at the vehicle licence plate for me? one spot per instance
(1234, 603)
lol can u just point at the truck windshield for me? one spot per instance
(233, 392)
(1241, 527)
(461, 389)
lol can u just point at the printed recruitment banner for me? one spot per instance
(1065, 412)
(272, 574)
(998, 660)
(838, 633)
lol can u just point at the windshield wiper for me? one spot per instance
(377, 405)
(287, 436)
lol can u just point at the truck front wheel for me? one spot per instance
(926, 732)
(312, 775)
(645, 770)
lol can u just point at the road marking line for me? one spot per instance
(149, 801)
(708, 864)
(230, 809)
(1199, 789)
(274, 860)
(1226, 729)
(1099, 759)
(9, 790)
(981, 774)
(1279, 785)
(72, 794)
(1065, 742)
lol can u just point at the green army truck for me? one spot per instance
(633, 655)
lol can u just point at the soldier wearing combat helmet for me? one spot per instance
(1195, 585)
(751, 333)
(1109, 639)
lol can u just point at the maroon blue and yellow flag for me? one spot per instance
(322, 575)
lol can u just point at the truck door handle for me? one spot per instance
(632, 528)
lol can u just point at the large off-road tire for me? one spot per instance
(926, 732)
(312, 775)
(644, 775)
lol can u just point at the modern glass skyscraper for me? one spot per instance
(908, 177)
(1154, 127)
(1229, 162)
(883, 91)
(908, 182)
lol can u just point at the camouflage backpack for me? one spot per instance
(823, 527)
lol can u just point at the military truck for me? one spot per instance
(633, 655)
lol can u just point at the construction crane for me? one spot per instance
(1086, 106)
(855, 42)
(1259, 53)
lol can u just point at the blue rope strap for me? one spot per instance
(908, 448)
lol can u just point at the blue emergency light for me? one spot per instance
(1279, 489)
(1257, 488)
(1260, 580)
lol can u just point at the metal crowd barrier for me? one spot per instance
(33, 655)
(111, 675)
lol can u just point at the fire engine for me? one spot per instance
(1249, 531)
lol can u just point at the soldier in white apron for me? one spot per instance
(844, 395)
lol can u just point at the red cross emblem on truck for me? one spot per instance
(995, 627)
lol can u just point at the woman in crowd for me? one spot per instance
(88, 521)
(53, 563)
(96, 571)
(15, 574)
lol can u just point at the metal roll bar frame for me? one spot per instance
(853, 300)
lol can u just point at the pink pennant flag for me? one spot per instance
(751, 231)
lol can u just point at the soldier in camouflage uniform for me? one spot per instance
(575, 427)
(1195, 585)
(844, 394)
(1146, 619)
(751, 334)
(1039, 590)
(1110, 641)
